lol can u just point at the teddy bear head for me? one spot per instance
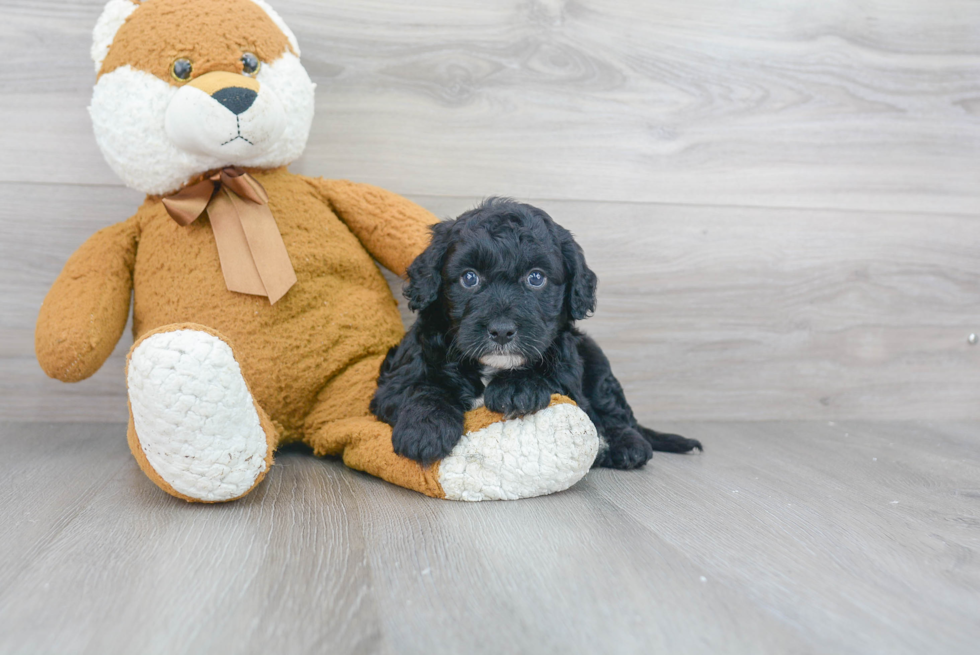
(190, 86)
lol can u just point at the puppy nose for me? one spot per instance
(235, 99)
(502, 331)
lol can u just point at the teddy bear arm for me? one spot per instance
(86, 309)
(392, 228)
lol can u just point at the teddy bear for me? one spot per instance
(260, 316)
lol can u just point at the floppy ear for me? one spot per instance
(581, 283)
(425, 273)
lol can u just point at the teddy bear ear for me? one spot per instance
(281, 24)
(113, 16)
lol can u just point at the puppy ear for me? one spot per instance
(581, 283)
(425, 273)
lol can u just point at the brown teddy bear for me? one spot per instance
(259, 315)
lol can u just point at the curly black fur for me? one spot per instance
(509, 338)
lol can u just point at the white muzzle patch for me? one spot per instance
(232, 124)
(157, 137)
(502, 361)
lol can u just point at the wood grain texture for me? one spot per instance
(783, 537)
(756, 313)
(135, 570)
(781, 202)
(872, 105)
(724, 294)
(705, 312)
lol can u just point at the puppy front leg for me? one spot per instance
(519, 392)
(428, 427)
(426, 417)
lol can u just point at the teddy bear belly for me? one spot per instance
(287, 356)
(288, 351)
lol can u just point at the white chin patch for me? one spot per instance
(156, 137)
(502, 361)
(199, 124)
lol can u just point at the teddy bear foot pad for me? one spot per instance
(194, 419)
(538, 454)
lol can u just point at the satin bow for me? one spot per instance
(253, 257)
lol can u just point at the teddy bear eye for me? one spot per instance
(469, 279)
(250, 64)
(536, 279)
(181, 69)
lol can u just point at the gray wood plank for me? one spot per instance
(28, 394)
(754, 313)
(687, 145)
(863, 535)
(720, 312)
(708, 312)
(857, 106)
(570, 573)
(97, 560)
(782, 537)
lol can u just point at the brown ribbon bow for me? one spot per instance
(253, 257)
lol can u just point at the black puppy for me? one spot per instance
(498, 291)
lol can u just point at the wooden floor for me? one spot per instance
(783, 537)
(781, 199)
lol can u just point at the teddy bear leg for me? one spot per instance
(194, 427)
(495, 459)
(341, 424)
(364, 444)
(534, 455)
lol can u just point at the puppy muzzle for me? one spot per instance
(503, 360)
(501, 354)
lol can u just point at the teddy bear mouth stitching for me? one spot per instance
(238, 129)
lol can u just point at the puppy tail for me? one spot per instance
(669, 443)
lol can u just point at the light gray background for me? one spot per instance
(780, 199)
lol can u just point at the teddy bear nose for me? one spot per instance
(235, 98)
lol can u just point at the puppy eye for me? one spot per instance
(469, 279)
(181, 69)
(250, 64)
(536, 279)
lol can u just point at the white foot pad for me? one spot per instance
(540, 454)
(194, 416)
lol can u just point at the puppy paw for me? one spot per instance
(427, 433)
(626, 451)
(514, 397)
